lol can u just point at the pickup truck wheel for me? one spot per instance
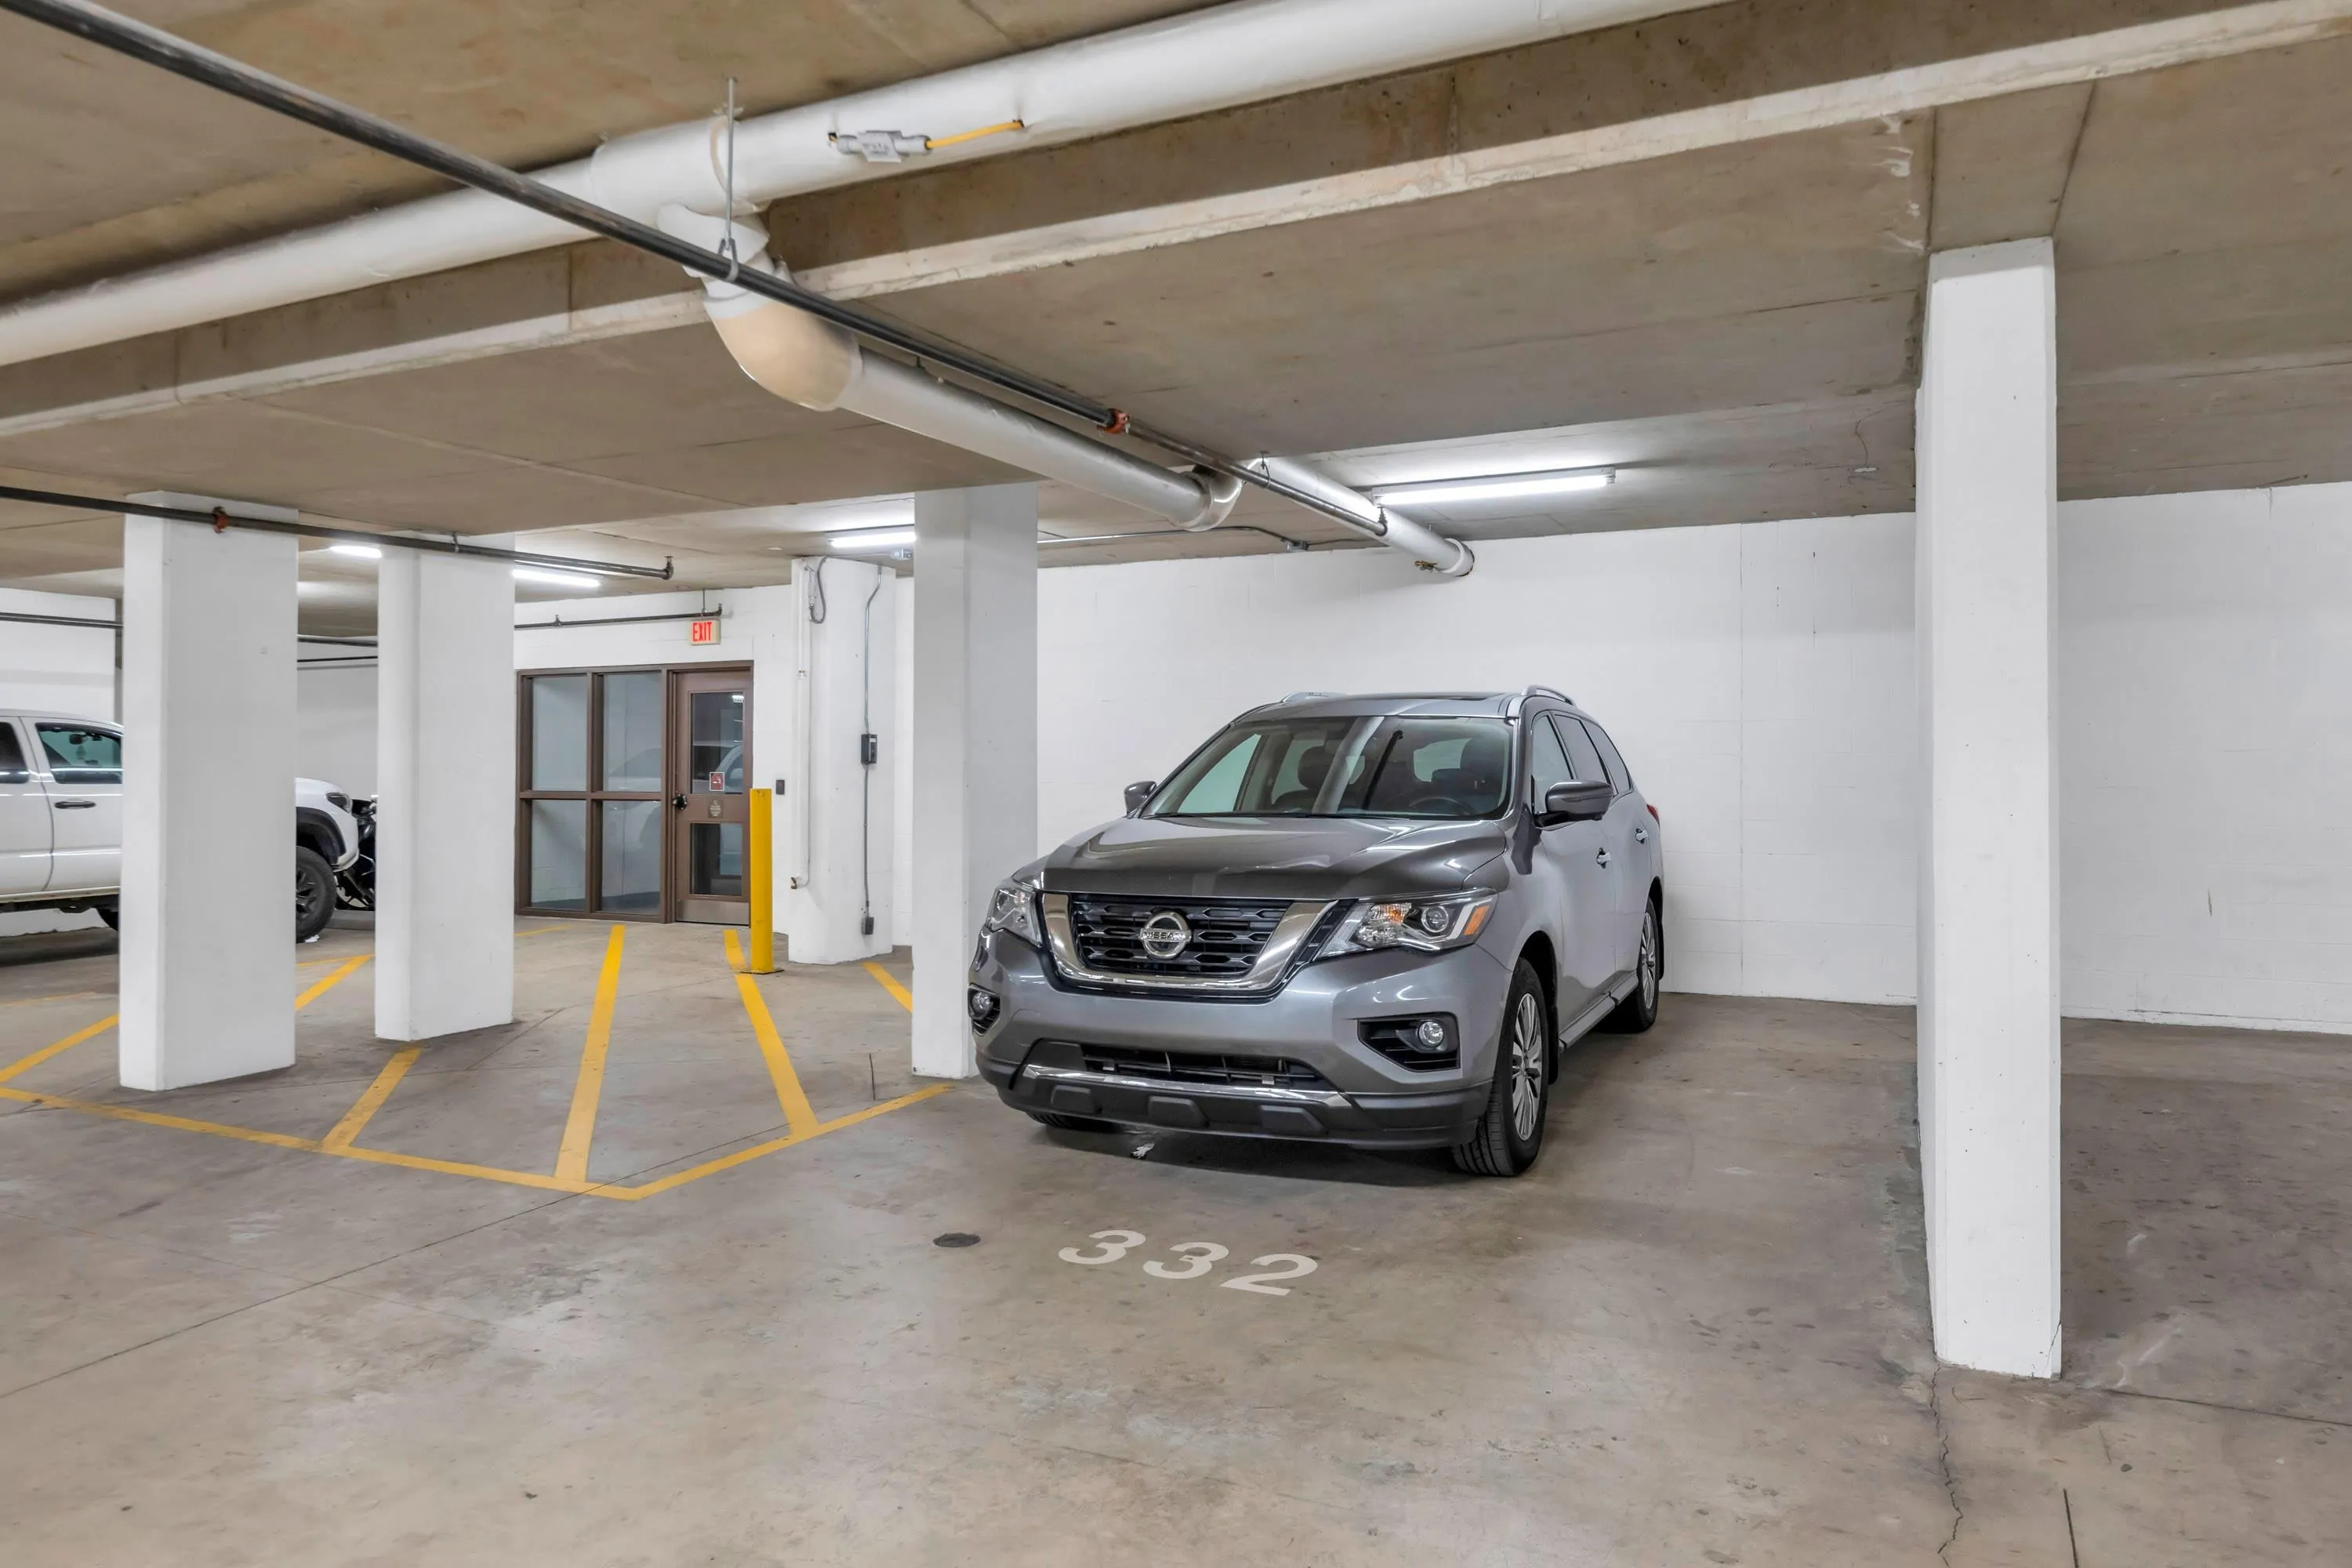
(1511, 1129)
(314, 893)
(112, 915)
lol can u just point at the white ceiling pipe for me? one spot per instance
(817, 366)
(1242, 53)
(1447, 557)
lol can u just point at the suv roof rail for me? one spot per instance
(1308, 696)
(1549, 692)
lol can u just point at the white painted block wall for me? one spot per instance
(1760, 680)
(1757, 680)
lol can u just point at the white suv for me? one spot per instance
(61, 822)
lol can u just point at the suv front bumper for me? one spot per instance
(1033, 1052)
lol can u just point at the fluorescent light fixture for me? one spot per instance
(874, 539)
(363, 552)
(557, 579)
(1496, 487)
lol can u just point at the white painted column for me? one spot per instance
(444, 847)
(833, 821)
(1988, 1062)
(975, 739)
(208, 902)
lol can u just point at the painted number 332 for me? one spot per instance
(1199, 1257)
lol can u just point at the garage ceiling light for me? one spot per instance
(1496, 487)
(556, 579)
(363, 552)
(877, 538)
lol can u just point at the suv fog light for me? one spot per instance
(1428, 1044)
(982, 1006)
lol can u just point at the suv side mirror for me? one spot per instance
(1577, 801)
(1138, 796)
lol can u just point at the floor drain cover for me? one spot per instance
(956, 1238)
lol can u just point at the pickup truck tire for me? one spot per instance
(111, 914)
(1511, 1130)
(314, 893)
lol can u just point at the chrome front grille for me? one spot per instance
(1227, 936)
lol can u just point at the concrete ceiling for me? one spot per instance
(1733, 326)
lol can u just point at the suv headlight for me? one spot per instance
(1428, 925)
(1014, 908)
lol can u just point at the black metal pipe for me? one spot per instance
(154, 47)
(620, 620)
(33, 620)
(221, 517)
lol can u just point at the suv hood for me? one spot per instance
(1272, 856)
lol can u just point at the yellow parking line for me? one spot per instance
(157, 1119)
(790, 1096)
(745, 1156)
(330, 982)
(580, 1127)
(364, 1108)
(25, 1064)
(734, 950)
(459, 1168)
(890, 983)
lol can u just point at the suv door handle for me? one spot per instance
(1641, 836)
(73, 804)
(1601, 854)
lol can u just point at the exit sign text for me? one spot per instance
(703, 633)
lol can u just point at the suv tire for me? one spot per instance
(1634, 1014)
(314, 893)
(1073, 1123)
(1511, 1129)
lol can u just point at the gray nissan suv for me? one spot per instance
(1368, 920)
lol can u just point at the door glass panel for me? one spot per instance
(632, 733)
(714, 860)
(12, 756)
(630, 875)
(715, 752)
(558, 732)
(1580, 750)
(81, 754)
(558, 854)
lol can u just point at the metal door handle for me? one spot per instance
(73, 804)
(678, 803)
(1641, 836)
(1601, 856)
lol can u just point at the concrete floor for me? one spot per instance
(1695, 1335)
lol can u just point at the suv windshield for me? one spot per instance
(1345, 767)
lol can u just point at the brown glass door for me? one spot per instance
(710, 747)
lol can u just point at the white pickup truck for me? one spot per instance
(61, 822)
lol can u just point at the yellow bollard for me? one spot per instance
(760, 881)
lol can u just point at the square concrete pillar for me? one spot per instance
(1988, 1066)
(208, 901)
(444, 826)
(975, 739)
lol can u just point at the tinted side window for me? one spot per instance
(12, 756)
(81, 754)
(1547, 763)
(1619, 779)
(1581, 752)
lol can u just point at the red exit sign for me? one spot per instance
(704, 633)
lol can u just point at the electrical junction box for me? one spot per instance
(703, 633)
(869, 749)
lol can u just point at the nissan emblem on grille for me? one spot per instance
(1165, 934)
